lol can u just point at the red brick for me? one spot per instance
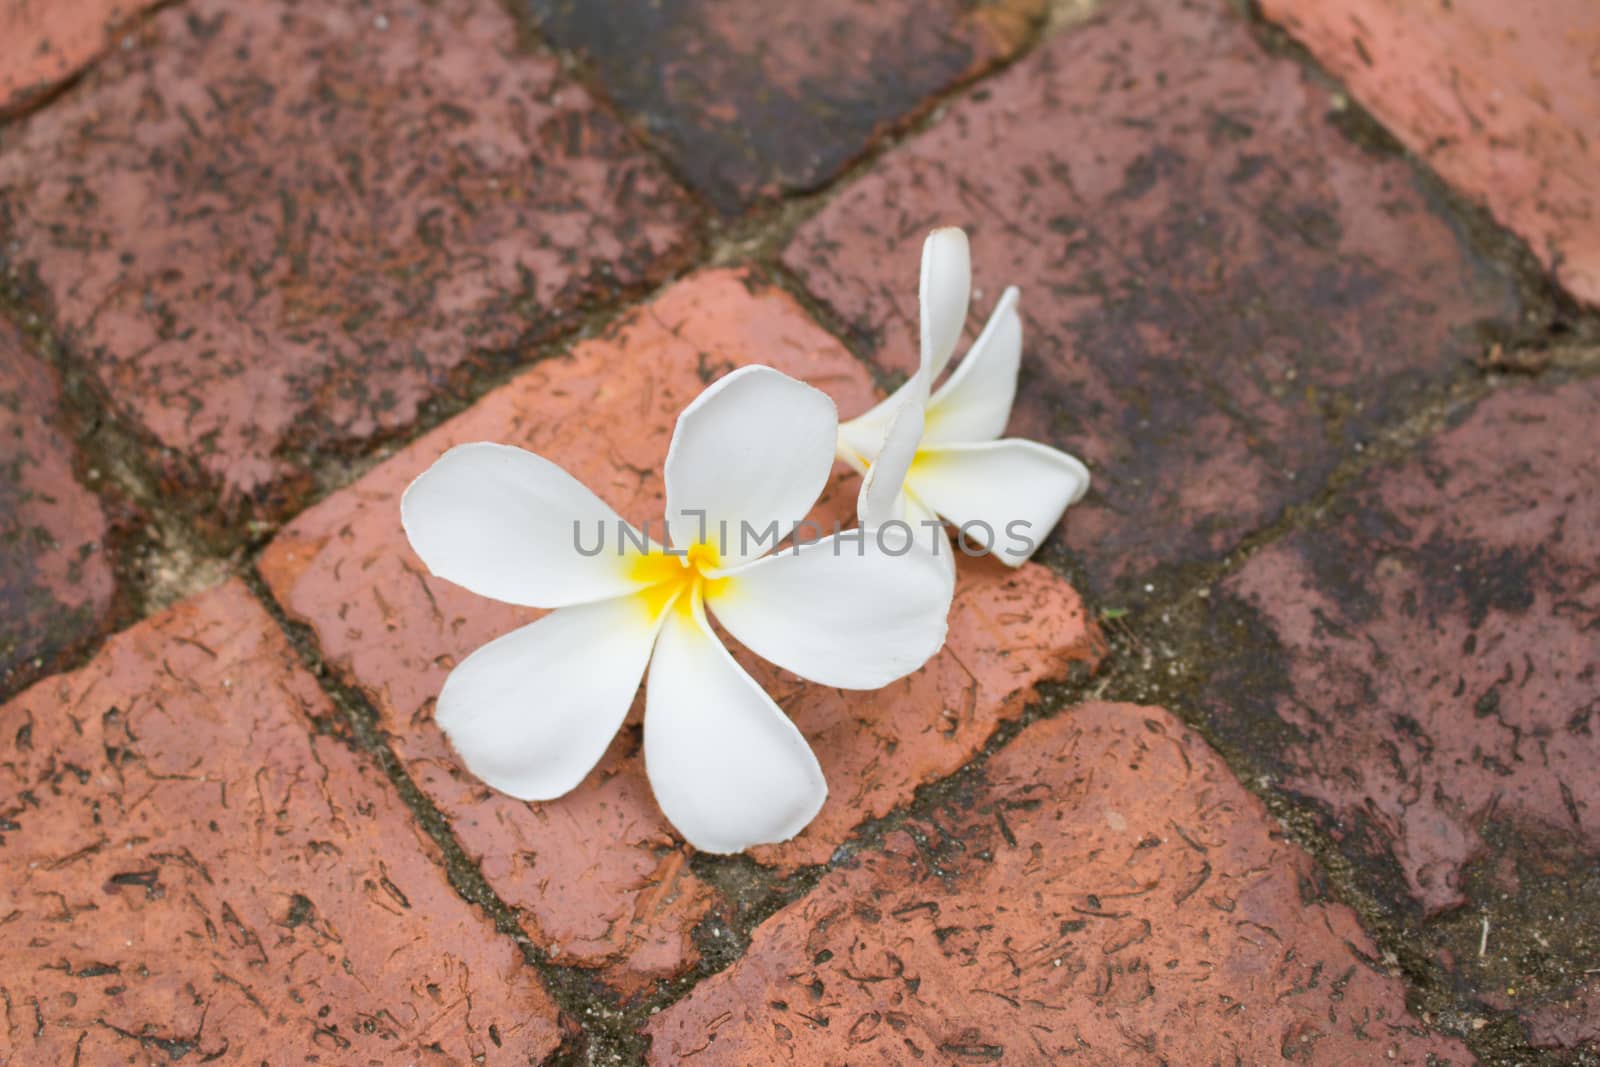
(1424, 667)
(1569, 1024)
(274, 228)
(188, 867)
(1502, 100)
(1223, 294)
(1109, 895)
(753, 100)
(44, 42)
(56, 585)
(599, 874)
(1008, 631)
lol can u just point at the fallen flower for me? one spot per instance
(928, 458)
(532, 712)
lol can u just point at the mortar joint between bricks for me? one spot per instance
(153, 558)
(1163, 654)
(31, 103)
(1550, 313)
(920, 810)
(1494, 1035)
(608, 1032)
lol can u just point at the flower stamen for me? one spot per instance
(676, 579)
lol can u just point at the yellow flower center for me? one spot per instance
(676, 579)
(921, 463)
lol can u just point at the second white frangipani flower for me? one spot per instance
(934, 457)
(532, 712)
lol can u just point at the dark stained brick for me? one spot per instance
(1223, 294)
(756, 99)
(273, 227)
(1503, 100)
(186, 870)
(56, 585)
(601, 878)
(1428, 667)
(1109, 895)
(1569, 1023)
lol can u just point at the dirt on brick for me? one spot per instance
(1215, 281)
(749, 102)
(58, 586)
(262, 258)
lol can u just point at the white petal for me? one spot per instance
(930, 535)
(508, 524)
(1011, 492)
(885, 478)
(946, 285)
(727, 766)
(845, 611)
(756, 447)
(861, 438)
(975, 403)
(532, 712)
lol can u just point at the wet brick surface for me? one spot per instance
(186, 869)
(1106, 894)
(750, 99)
(1502, 100)
(1223, 294)
(1425, 668)
(273, 228)
(56, 585)
(599, 875)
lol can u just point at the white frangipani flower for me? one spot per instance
(532, 712)
(924, 456)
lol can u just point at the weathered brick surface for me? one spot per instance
(751, 100)
(1108, 894)
(1423, 668)
(43, 42)
(56, 585)
(185, 868)
(1223, 294)
(1569, 1023)
(599, 874)
(1503, 100)
(271, 227)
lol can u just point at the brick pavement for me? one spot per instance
(1111, 896)
(751, 100)
(1216, 281)
(1503, 101)
(190, 869)
(1433, 664)
(259, 258)
(599, 874)
(1343, 452)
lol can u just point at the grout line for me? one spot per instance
(1550, 312)
(146, 545)
(781, 277)
(41, 97)
(607, 1035)
(1054, 16)
(782, 891)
